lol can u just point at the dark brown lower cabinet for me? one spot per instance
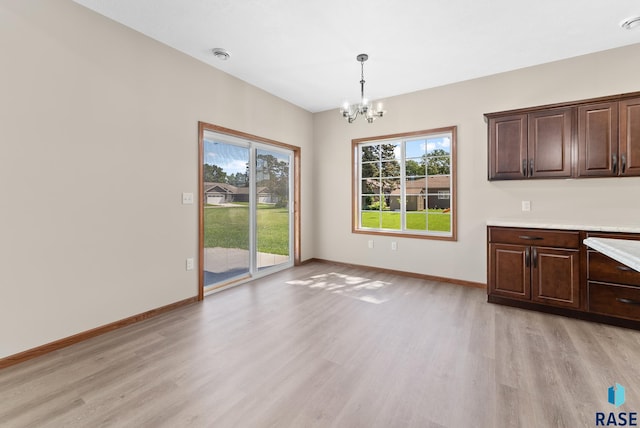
(615, 300)
(552, 271)
(613, 288)
(555, 277)
(510, 276)
(530, 271)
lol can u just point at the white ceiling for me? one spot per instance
(305, 50)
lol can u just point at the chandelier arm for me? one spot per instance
(354, 116)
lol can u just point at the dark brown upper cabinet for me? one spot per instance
(531, 145)
(508, 147)
(629, 136)
(598, 139)
(609, 139)
(591, 138)
(550, 136)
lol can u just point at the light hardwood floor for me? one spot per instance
(325, 345)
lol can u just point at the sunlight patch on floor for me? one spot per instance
(356, 287)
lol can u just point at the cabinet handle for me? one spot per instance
(527, 257)
(524, 167)
(535, 257)
(627, 301)
(531, 168)
(624, 268)
(530, 238)
(614, 160)
(623, 158)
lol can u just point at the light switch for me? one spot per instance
(394, 246)
(187, 198)
(526, 205)
(189, 264)
(370, 243)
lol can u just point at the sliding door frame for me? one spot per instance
(202, 127)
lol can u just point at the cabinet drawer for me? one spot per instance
(614, 300)
(614, 235)
(603, 268)
(535, 237)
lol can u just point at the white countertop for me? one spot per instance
(565, 225)
(621, 250)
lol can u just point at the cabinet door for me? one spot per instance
(555, 276)
(509, 271)
(629, 137)
(507, 147)
(549, 148)
(598, 139)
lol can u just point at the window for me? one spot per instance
(404, 184)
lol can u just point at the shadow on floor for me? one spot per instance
(211, 278)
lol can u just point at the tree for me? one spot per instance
(214, 174)
(238, 179)
(370, 162)
(414, 168)
(380, 162)
(273, 174)
(437, 162)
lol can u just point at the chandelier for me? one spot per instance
(364, 108)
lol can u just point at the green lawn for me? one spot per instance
(228, 227)
(435, 220)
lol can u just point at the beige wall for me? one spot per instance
(98, 140)
(463, 104)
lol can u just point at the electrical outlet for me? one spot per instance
(189, 264)
(526, 205)
(394, 246)
(187, 198)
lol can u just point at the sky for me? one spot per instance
(417, 148)
(230, 157)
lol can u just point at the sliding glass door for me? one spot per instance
(227, 228)
(246, 216)
(273, 219)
